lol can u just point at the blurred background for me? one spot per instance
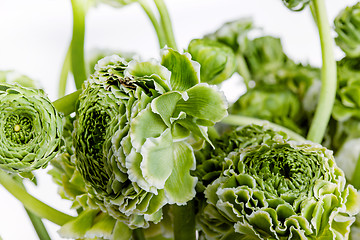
(35, 35)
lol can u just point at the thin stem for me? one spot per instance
(166, 23)
(64, 73)
(38, 225)
(79, 8)
(328, 75)
(138, 234)
(31, 203)
(67, 104)
(184, 221)
(35, 220)
(241, 121)
(355, 180)
(159, 31)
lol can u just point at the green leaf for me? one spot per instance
(78, 227)
(205, 102)
(184, 71)
(180, 186)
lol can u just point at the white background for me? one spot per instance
(34, 36)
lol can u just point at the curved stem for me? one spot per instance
(31, 203)
(166, 23)
(35, 220)
(159, 31)
(241, 120)
(328, 75)
(79, 8)
(184, 221)
(67, 104)
(64, 73)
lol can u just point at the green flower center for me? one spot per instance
(281, 169)
(19, 129)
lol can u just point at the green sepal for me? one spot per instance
(121, 231)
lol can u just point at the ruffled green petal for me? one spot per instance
(181, 68)
(184, 161)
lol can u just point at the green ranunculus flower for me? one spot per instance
(273, 103)
(211, 162)
(131, 131)
(30, 129)
(216, 59)
(281, 189)
(296, 5)
(347, 26)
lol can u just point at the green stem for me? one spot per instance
(166, 23)
(38, 225)
(35, 220)
(64, 73)
(184, 221)
(67, 104)
(79, 8)
(355, 180)
(138, 234)
(159, 31)
(31, 203)
(328, 75)
(241, 121)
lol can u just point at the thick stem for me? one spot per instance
(184, 221)
(241, 121)
(64, 73)
(328, 75)
(67, 104)
(159, 31)
(138, 234)
(166, 23)
(79, 8)
(31, 203)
